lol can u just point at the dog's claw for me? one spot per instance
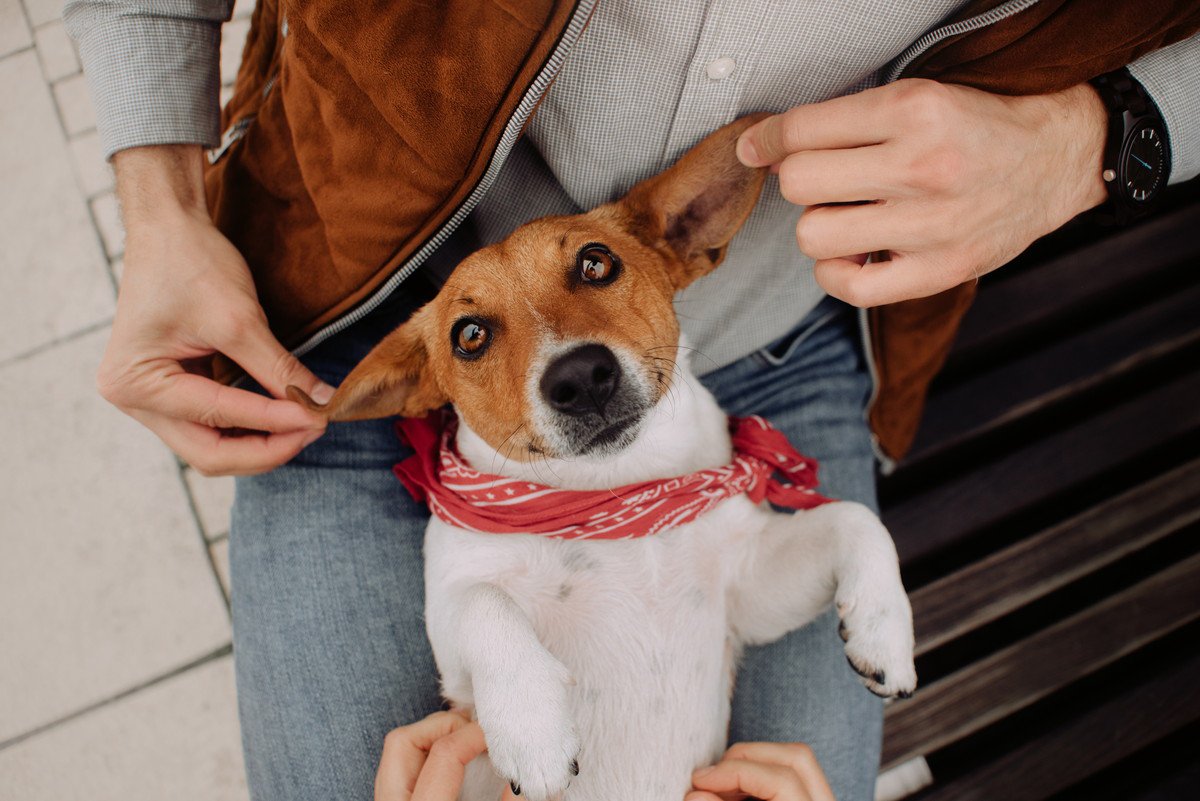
(516, 788)
(574, 767)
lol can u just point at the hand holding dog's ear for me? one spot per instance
(953, 182)
(185, 294)
(390, 380)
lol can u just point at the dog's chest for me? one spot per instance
(604, 606)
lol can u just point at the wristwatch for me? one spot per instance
(1137, 156)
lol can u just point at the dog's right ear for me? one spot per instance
(695, 207)
(392, 379)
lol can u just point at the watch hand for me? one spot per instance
(1139, 161)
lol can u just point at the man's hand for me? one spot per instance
(186, 293)
(952, 181)
(427, 760)
(768, 771)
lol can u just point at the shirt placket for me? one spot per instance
(722, 65)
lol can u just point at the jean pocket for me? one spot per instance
(781, 350)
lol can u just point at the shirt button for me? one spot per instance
(720, 69)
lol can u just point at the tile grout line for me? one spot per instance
(37, 350)
(223, 651)
(68, 138)
(21, 51)
(181, 469)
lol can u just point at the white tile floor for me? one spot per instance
(116, 679)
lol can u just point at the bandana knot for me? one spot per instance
(765, 466)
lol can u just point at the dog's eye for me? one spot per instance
(597, 265)
(470, 338)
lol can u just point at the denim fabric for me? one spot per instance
(328, 593)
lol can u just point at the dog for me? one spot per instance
(606, 667)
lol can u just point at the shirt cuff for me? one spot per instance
(154, 80)
(1171, 76)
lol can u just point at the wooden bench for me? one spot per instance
(1048, 524)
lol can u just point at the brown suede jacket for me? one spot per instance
(357, 142)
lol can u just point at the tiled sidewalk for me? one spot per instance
(116, 678)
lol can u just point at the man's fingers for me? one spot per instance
(796, 756)
(216, 453)
(404, 753)
(903, 277)
(256, 350)
(442, 776)
(830, 232)
(766, 781)
(850, 121)
(809, 177)
(196, 399)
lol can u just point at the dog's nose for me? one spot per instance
(582, 380)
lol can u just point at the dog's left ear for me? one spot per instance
(392, 379)
(697, 206)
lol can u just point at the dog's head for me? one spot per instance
(558, 340)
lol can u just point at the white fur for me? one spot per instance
(622, 653)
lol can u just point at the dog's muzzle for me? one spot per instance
(595, 409)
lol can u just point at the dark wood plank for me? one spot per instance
(1034, 567)
(923, 523)
(1015, 677)
(1035, 296)
(1120, 724)
(1065, 367)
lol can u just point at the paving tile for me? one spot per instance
(14, 33)
(43, 11)
(75, 105)
(107, 212)
(178, 740)
(104, 582)
(91, 168)
(56, 50)
(213, 497)
(220, 557)
(53, 279)
(233, 38)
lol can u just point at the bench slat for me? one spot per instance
(1036, 472)
(1012, 306)
(1118, 726)
(1064, 368)
(1005, 581)
(1025, 672)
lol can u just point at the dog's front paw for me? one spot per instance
(530, 734)
(877, 628)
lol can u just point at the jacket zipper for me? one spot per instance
(1001, 12)
(508, 140)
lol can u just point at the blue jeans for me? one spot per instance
(328, 593)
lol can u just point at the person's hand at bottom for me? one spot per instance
(768, 771)
(427, 760)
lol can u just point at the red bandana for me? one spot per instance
(467, 498)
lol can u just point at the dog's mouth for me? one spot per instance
(613, 437)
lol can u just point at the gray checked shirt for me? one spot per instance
(645, 82)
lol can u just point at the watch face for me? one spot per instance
(1145, 158)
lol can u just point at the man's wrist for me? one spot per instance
(1087, 132)
(160, 183)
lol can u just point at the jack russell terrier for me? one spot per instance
(592, 655)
